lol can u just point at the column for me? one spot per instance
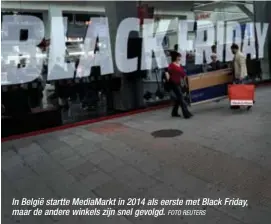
(262, 15)
(131, 94)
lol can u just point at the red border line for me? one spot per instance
(80, 123)
(95, 120)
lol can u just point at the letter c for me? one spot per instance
(123, 63)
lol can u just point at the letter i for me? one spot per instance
(220, 40)
(15, 201)
(121, 201)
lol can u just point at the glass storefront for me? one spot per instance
(246, 13)
(55, 97)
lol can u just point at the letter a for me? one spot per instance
(97, 30)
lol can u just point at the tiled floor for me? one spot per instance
(220, 154)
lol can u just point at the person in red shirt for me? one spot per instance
(175, 73)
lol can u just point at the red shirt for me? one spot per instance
(176, 73)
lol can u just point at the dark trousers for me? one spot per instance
(179, 101)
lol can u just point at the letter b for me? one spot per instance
(204, 201)
(21, 27)
(24, 201)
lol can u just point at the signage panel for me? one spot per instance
(210, 85)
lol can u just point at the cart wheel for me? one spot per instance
(234, 107)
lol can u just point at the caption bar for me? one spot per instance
(119, 207)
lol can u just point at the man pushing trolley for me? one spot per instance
(240, 93)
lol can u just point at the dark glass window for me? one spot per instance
(234, 35)
(69, 16)
(23, 35)
(205, 35)
(82, 17)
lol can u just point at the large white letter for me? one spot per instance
(183, 42)
(98, 28)
(121, 49)
(249, 41)
(220, 36)
(204, 40)
(261, 36)
(233, 35)
(153, 44)
(57, 50)
(28, 25)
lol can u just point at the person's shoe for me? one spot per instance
(187, 116)
(175, 115)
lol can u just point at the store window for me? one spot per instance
(258, 68)
(261, 14)
(42, 103)
(86, 93)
